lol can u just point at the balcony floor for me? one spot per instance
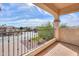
(60, 49)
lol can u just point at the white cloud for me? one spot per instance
(30, 4)
(70, 19)
(35, 22)
(8, 19)
(30, 22)
(21, 22)
(22, 6)
(5, 10)
(7, 13)
(42, 11)
(73, 15)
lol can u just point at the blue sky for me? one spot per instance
(20, 14)
(23, 15)
(71, 19)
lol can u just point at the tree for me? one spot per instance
(63, 26)
(21, 28)
(45, 32)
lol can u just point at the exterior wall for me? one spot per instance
(69, 35)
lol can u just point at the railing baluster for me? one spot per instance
(34, 39)
(17, 43)
(38, 39)
(27, 41)
(24, 42)
(2, 44)
(31, 39)
(8, 44)
(13, 45)
(21, 42)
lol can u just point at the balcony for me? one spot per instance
(60, 49)
(66, 46)
(64, 42)
(21, 41)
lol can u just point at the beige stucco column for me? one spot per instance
(56, 16)
(56, 28)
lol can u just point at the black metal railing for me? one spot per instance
(18, 43)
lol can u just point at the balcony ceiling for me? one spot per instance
(59, 8)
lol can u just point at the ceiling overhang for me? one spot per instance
(59, 8)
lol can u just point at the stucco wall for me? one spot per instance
(69, 35)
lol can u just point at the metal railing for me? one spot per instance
(18, 43)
